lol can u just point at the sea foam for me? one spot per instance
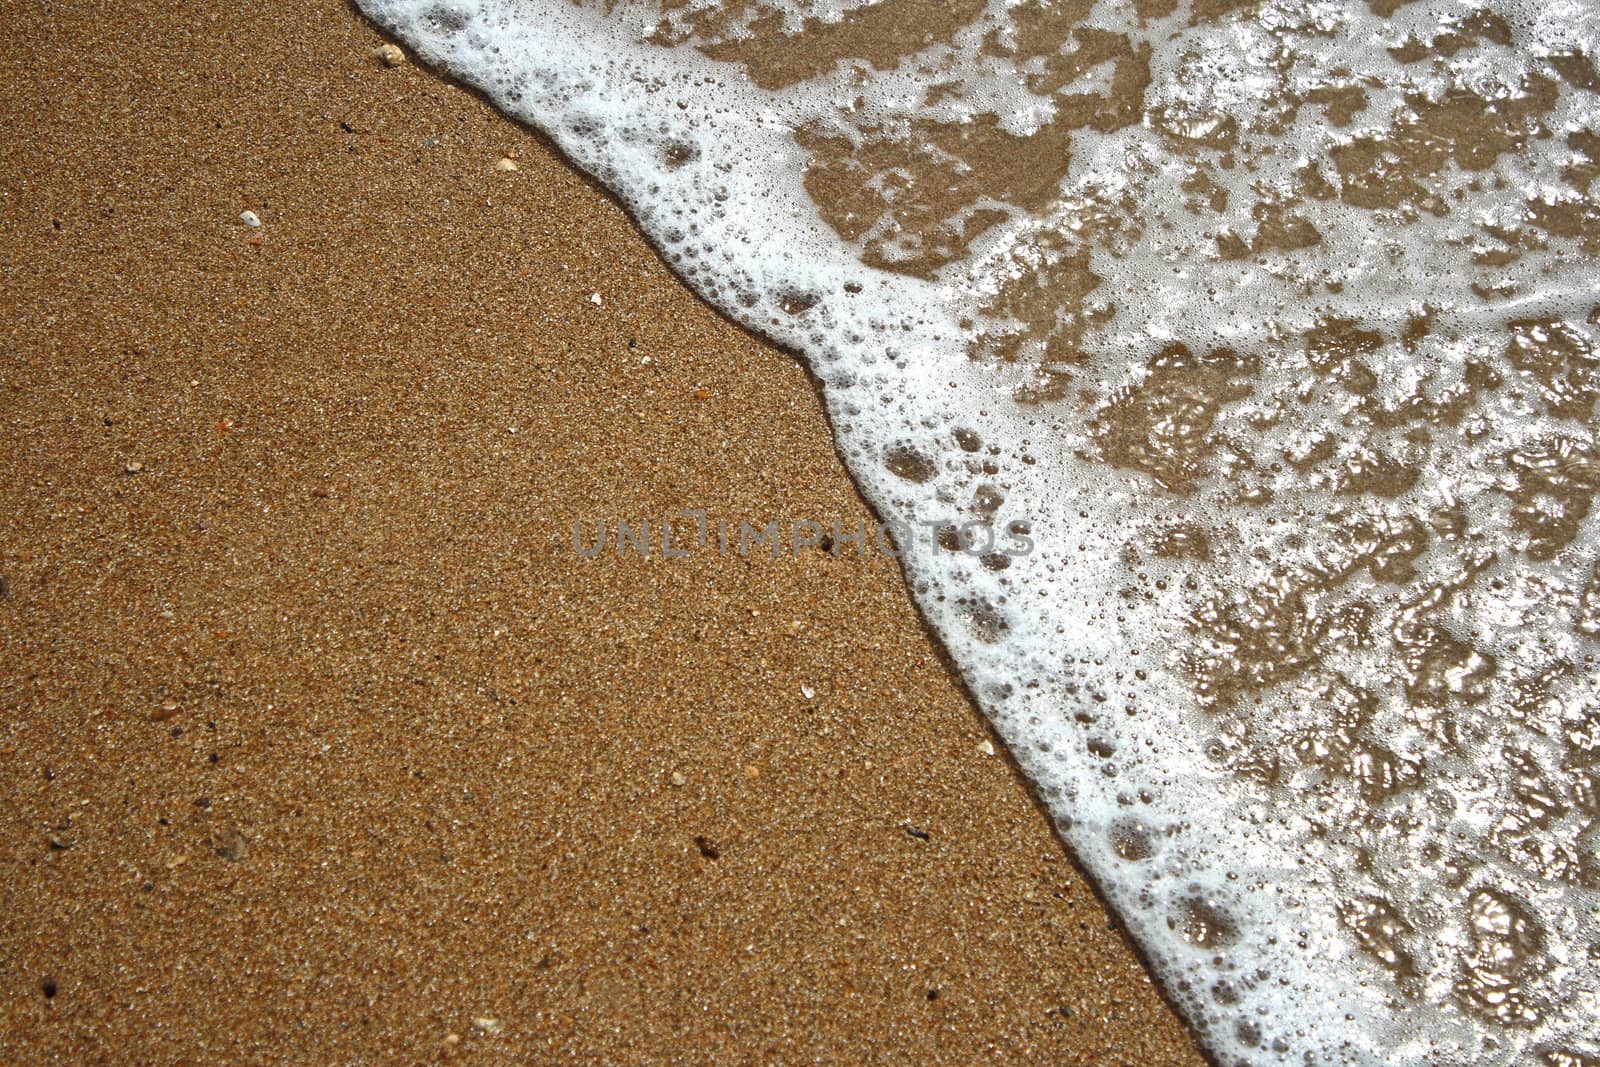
(1272, 325)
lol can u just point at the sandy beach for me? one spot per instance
(318, 740)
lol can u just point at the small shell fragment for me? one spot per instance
(250, 219)
(506, 163)
(389, 55)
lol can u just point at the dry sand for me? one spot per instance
(320, 743)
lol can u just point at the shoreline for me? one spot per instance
(320, 742)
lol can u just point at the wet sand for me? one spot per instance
(319, 741)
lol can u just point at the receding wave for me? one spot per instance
(1272, 326)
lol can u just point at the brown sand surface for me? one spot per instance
(319, 743)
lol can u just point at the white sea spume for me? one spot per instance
(1294, 915)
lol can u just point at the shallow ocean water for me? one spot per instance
(1272, 327)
